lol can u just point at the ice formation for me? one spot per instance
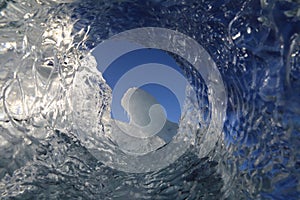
(148, 128)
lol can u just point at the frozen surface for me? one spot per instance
(56, 134)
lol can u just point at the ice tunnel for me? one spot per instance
(152, 99)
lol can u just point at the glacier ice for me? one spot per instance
(148, 128)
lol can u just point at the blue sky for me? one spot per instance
(113, 71)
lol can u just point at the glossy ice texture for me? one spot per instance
(55, 105)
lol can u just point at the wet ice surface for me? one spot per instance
(47, 118)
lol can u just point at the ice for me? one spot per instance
(148, 128)
(58, 140)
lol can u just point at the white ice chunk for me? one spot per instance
(148, 128)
